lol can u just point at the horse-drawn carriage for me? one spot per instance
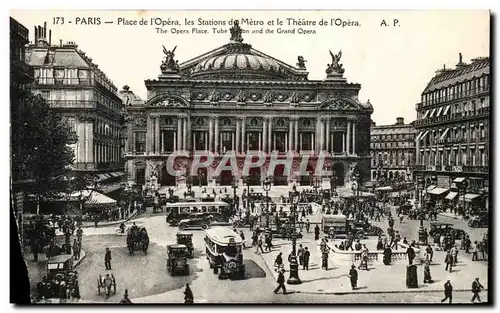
(61, 280)
(108, 283)
(137, 239)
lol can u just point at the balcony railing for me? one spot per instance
(454, 116)
(82, 104)
(476, 169)
(43, 81)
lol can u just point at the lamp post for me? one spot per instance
(294, 265)
(463, 188)
(266, 184)
(235, 186)
(189, 185)
(421, 232)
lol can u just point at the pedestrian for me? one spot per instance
(76, 250)
(308, 225)
(324, 259)
(251, 223)
(242, 235)
(454, 253)
(448, 259)
(427, 273)
(426, 235)
(269, 242)
(35, 249)
(278, 262)
(259, 245)
(281, 282)
(474, 251)
(429, 253)
(79, 234)
(107, 259)
(467, 244)
(387, 255)
(300, 253)
(476, 289)
(188, 295)
(448, 291)
(353, 276)
(316, 232)
(357, 245)
(307, 254)
(380, 245)
(391, 222)
(482, 249)
(410, 254)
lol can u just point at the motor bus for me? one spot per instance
(224, 250)
(182, 210)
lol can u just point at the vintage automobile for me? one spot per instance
(186, 238)
(108, 283)
(177, 259)
(196, 220)
(480, 220)
(224, 250)
(367, 228)
(445, 229)
(60, 264)
(341, 226)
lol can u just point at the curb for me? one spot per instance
(453, 217)
(83, 255)
(341, 293)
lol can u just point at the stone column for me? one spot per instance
(133, 142)
(327, 148)
(348, 139)
(343, 143)
(354, 137)
(290, 135)
(149, 135)
(217, 139)
(162, 143)
(260, 140)
(205, 140)
(269, 134)
(264, 135)
(321, 135)
(211, 134)
(189, 135)
(296, 129)
(243, 135)
(90, 140)
(286, 140)
(185, 133)
(129, 146)
(332, 137)
(179, 133)
(237, 144)
(157, 135)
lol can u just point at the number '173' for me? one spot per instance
(58, 20)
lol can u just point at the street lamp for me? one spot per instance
(266, 184)
(421, 231)
(235, 186)
(463, 188)
(189, 184)
(294, 265)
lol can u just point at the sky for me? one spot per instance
(392, 63)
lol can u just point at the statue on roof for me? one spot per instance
(236, 32)
(335, 67)
(301, 63)
(169, 64)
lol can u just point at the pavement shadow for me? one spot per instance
(253, 270)
(323, 278)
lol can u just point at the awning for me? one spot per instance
(439, 111)
(425, 134)
(459, 180)
(443, 136)
(101, 177)
(451, 195)
(470, 196)
(446, 110)
(93, 197)
(419, 135)
(385, 188)
(432, 113)
(437, 191)
(431, 187)
(425, 114)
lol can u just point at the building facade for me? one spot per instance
(453, 125)
(21, 75)
(84, 96)
(393, 151)
(236, 98)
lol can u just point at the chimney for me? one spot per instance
(400, 121)
(460, 63)
(36, 35)
(443, 70)
(41, 36)
(50, 36)
(374, 124)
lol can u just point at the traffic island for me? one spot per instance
(379, 278)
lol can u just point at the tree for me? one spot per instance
(40, 145)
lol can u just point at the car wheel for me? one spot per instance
(182, 227)
(360, 235)
(204, 226)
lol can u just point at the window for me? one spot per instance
(140, 142)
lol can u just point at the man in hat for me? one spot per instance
(353, 275)
(306, 256)
(427, 273)
(281, 282)
(448, 291)
(188, 295)
(476, 289)
(107, 259)
(125, 299)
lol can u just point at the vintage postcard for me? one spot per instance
(251, 156)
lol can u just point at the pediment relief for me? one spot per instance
(339, 104)
(168, 100)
